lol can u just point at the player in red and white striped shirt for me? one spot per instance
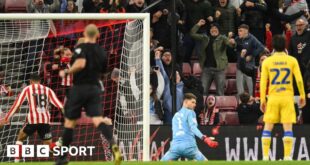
(38, 118)
(66, 82)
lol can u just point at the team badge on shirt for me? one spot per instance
(78, 50)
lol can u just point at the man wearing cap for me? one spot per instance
(212, 56)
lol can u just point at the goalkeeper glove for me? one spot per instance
(209, 142)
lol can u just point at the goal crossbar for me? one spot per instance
(54, 16)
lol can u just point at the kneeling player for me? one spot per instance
(38, 118)
(184, 128)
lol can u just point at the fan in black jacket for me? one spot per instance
(248, 110)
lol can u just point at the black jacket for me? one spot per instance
(196, 11)
(248, 114)
(159, 109)
(249, 70)
(254, 16)
(194, 86)
(300, 48)
(228, 20)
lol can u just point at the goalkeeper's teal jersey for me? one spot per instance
(184, 127)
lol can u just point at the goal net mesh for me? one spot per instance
(27, 47)
(128, 123)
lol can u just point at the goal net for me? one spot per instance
(28, 46)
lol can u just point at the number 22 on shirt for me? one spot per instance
(280, 72)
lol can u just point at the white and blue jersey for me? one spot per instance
(184, 129)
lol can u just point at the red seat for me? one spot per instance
(228, 103)
(229, 118)
(205, 98)
(15, 6)
(187, 70)
(212, 89)
(231, 87)
(231, 70)
(197, 70)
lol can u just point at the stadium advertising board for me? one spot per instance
(236, 143)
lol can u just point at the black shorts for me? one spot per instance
(87, 96)
(44, 130)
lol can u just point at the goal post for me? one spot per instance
(145, 58)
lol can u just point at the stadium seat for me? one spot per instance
(229, 118)
(204, 98)
(187, 70)
(227, 103)
(15, 6)
(212, 89)
(197, 70)
(231, 87)
(231, 70)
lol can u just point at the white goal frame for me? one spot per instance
(145, 17)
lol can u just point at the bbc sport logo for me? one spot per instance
(43, 151)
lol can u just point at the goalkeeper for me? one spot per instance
(184, 129)
(87, 64)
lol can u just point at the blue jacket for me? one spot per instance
(251, 44)
(167, 97)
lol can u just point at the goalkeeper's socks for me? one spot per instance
(266, 141)
(288, 144)
(106, 130)
(18, 158)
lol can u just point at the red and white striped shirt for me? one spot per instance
(67, 81)
(38, 97)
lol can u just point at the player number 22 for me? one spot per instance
(275, 80)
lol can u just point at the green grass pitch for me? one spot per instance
(178, 163)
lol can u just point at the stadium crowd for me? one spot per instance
(221, 45)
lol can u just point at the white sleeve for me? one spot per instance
(161, 85)
(133, 85)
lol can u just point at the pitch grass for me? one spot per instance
(177, 163)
